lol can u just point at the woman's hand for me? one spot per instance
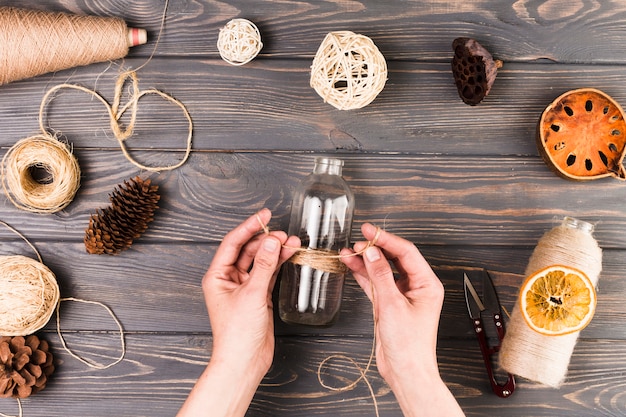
(238, 293)
(407, 314)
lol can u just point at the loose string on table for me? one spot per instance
(43, 305)
(327, 261)
(57, 173)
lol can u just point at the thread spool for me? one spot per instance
(537, 357)
(36, 42)
(40, 174)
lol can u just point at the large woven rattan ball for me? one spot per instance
(239, 42)
(348, 70)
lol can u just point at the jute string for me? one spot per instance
(329, 260)
(29, 294)
(537, 357)
(44, 152)
(37, 42)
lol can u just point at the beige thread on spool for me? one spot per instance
(37, 42)
(327, 260)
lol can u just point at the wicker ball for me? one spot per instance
(348, 70)
(239, 42)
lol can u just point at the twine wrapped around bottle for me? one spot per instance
(34, 42)
(527, 353)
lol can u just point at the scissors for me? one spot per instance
(488, 305)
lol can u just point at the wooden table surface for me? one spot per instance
(465, 184)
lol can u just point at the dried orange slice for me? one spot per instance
(558, 300)
(582, 135)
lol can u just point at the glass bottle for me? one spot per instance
(321, 215)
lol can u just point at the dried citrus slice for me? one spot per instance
(582, 135)
(557, 300)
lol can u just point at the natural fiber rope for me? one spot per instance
(348, 70)
(31, 288)
(333, 257)
(527, 353)
(239, 42)
(47, 155)
(115, 113)
(40, 42)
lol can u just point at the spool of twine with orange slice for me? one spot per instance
(556, 301)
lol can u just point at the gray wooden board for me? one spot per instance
(582, 31)
(465, 184)
(160, 369)
(268, 105)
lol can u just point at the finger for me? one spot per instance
(265, 263)
(232, 244)
(249, 250)
(381, 276)
(359, 272)
(403, 253)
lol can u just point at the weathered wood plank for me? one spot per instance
(269, 106)
(406, 30)
(159, 371)
(157, 288)
(433, 200)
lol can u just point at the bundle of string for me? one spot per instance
(40, 174)
(30, 295)
(330, 261)
(44, 155)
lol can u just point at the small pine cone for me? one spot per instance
(25, 365)
(113, 229)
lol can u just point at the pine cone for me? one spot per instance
(113, 229)
(25, 365)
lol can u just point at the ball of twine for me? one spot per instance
(239, 42)
(29, 295)
(348, 70)
(40, 174)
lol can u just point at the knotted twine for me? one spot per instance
(330, 261)
(527, 353)
(62, 173)
(29, 295)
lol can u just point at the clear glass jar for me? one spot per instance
(321, 215)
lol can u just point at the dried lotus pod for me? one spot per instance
(581, 135)
(474, 70)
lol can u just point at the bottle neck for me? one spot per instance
(577, 224)
(330, 166)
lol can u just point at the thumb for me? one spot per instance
(265, 262)
(380, 274)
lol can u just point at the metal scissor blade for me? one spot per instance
(473, 301)
(490, 297)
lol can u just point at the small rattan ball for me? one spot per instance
(239, 42)
(348, 70)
